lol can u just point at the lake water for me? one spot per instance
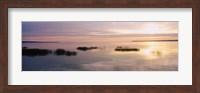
(153, 56)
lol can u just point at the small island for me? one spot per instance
(86, 48)
(123, 49)
(64, 52)
(31, 52)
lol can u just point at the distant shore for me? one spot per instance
(38, 42)
(153, 40)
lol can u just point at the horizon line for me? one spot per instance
(76, 42)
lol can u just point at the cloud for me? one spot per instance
(93, 28)
(100, 29)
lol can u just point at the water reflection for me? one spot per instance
(152, 51)
(151, 56)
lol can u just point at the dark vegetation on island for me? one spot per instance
(126, 49)
(86, 48)
(64, 52)
(31, 52)
(35, 52)
(59, 52)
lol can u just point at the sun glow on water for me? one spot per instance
(152, 52)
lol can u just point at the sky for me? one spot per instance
(98, 31)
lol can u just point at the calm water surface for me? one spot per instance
(153, 56)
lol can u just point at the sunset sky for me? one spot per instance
(83, 31)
